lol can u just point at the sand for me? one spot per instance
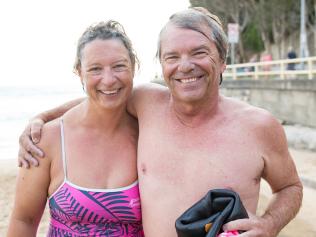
(302, 225)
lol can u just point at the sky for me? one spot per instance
(38, 37)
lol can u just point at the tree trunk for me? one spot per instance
(314, 28)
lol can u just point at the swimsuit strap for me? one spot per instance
(63, 151)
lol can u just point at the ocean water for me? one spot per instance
(19, 104)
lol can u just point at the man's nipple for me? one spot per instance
(142, 169)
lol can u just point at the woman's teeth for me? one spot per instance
(187, 80)
(109, 92)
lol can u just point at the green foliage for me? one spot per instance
(251, 39)
(261, 22)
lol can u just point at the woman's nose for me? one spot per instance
(108, 77)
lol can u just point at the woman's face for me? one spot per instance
(107, 72)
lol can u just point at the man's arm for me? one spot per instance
(32, 133)
(280, 172)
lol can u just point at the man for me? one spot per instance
(192, 139)
(291, 55)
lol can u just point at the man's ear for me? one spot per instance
(78, 72)
(223, 67)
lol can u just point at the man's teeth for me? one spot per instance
(187, 80)
(110, 92)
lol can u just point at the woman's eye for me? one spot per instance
(120, 67)
(94, 69)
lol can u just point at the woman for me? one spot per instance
(90, 176)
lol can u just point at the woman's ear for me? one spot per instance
(77, 71)
(84, 85)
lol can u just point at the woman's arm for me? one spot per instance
(30, 197)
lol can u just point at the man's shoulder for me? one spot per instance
(151, 88)
(250, 114)
(265, 130)
(151, 93)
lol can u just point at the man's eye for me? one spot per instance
(171, 58)
(199, 53)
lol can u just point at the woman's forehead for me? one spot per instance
(109, 48)
(105, 43)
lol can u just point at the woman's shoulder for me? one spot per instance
(50, 136)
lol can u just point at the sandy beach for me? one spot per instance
(302, 225)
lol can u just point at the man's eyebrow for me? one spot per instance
(168, 53)
(201, 47)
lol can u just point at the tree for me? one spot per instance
(235, 13)
(262, 22)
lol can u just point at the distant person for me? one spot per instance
(89, 175)
(291, 55)
(266, 57)
(193, 139)
(253, 59)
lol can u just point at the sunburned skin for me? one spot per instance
(177, 165)
(192, 139)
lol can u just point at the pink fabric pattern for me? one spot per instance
(78, 212)
(228, 233)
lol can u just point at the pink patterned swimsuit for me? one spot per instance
(78, 211)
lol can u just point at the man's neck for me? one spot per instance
(196, 113)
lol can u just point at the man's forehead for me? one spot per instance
(172, 29)
(182, 34)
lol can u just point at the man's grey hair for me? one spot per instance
(197, 19)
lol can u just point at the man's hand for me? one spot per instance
(32, 133)
(28, 150)
(253, 227)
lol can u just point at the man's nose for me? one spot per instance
(185, 65)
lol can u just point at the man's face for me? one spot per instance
(190, 63)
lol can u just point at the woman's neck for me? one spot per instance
(93, 116)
